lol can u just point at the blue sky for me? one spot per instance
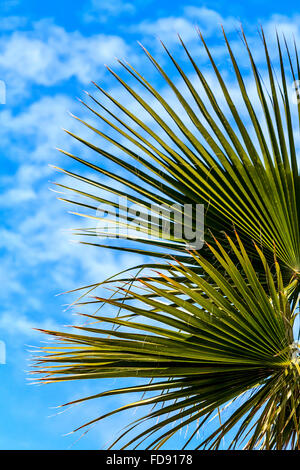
(50, 52)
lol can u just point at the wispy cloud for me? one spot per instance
(48, 55)
(101, 11)
(37, 259)
(167, 28)
(12, 22)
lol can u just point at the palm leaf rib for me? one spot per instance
(213, 328)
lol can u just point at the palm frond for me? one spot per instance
(234, 341)
(248, 182)
(211, 328)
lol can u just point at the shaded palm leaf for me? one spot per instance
(234, 341)
(212, 158)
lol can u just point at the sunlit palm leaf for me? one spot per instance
(228, 342)
(252, 184)
(212, 325)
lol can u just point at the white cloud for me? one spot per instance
(12, 22)
(34, 133)
(166, 28)
(210, 20)
(48, 54)
(37, 259)
(36, 129)
(9, 4)
(15, 196)
(37, 255)
(14, 323)
(102, 10)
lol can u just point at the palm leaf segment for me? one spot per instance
(217, 324)
(199, 355)
(254, 187)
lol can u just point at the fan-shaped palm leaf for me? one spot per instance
(254, 187)
(216, 324)
(234, 341)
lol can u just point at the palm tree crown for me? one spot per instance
(208, 325)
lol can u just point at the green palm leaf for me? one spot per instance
(212, 325)
(256, 188)
(229, 342)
